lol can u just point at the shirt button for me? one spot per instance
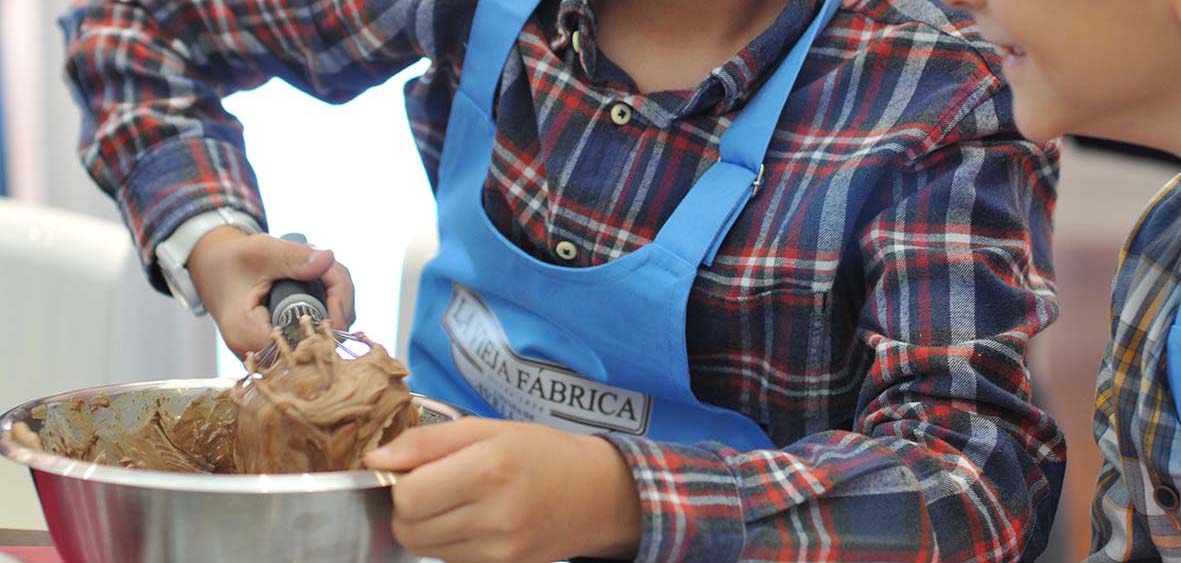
(621, 113)
(566, 250)
(576, 41)
(1166, 497)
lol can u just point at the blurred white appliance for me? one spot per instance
(80, 311)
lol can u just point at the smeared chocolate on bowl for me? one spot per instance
(311, 411)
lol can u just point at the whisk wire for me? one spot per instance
(267, 357)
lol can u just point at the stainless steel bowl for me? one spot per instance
(102, 513)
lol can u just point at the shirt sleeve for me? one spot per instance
(149, 76)
(946, 458)
(1136, 510)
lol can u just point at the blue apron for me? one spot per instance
(1173, 361)
(590, 349)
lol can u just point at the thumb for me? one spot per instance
(290, 260)
(424, 444)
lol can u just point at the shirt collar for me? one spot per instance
(727, 86)
(576, 15)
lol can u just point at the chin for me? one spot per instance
(1039, 124)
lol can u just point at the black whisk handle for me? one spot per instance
(288, 299)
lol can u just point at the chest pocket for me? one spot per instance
(769, 341)
(772, 321)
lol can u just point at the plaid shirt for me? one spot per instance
(870, 308)
(1136, 513)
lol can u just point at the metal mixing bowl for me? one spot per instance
(102, 513)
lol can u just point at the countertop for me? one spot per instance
(24, 537)
(27, 546)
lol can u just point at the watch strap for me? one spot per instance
(172, 254)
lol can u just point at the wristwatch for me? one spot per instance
(172, 255)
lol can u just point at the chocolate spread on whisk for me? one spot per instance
(310, 411)
(315, 411)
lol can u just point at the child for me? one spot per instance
(718, 262)
(1113, 69)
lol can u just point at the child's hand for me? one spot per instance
(487, 490)
(233, 272)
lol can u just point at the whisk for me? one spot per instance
(288, 302)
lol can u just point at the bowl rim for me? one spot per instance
(41, 461)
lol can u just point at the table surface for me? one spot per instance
(24, 537)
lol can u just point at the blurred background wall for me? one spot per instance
(42, 121)
(3, 151)
(349, 177)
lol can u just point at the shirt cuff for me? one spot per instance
(179, 180)
(683, 521)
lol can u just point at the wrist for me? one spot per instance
(208, 241)
(174, 254)
(617, 517)
(208, 259)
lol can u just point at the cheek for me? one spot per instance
(1074, 88)
(1072, 76)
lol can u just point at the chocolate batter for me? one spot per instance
(199, 441)
(310, 411)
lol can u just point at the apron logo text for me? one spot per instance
(526, 389)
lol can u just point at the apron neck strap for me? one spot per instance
(495, 28)
(704, 217)
(745, 142)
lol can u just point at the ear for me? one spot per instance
(1176, 4)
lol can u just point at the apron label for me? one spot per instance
(526, 389)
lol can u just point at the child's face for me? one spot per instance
(1091, 67)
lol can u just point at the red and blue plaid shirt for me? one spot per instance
(870, 309)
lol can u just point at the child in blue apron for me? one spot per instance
(725, 280)
(1113, 70)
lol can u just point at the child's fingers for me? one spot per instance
(443, 485)
(424, 444)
